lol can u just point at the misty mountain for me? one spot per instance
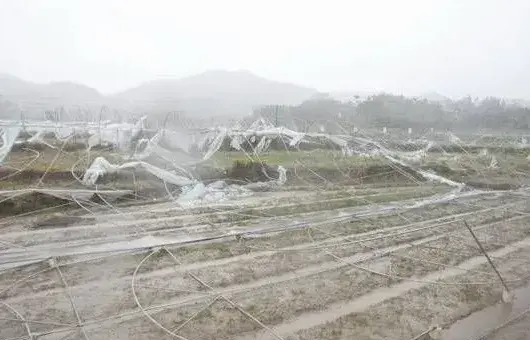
(213, 93)
(224, 94)
(19, 96)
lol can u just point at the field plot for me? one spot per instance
(292, 244)
(391, 269)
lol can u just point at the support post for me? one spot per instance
(487, 256)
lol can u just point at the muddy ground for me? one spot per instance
(353, 251)
(517, 330)
(359, 262)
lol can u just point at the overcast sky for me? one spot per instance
(455, 47)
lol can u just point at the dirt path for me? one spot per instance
(309, 320)
(518, 330)
(502, 321)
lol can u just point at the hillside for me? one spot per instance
(33, 99)
(213, 93)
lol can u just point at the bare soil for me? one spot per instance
(361, 262)
(356, 250)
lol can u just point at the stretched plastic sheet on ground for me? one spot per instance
(101, 166)
(215, 192)
(220, 191)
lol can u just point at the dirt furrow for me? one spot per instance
(334, 312)
(233, 290)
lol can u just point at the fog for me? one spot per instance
(412, 46)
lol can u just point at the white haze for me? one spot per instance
(454, 47)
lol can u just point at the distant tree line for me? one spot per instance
(387, 110)
(323, 113)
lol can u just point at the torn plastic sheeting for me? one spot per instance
(146, 146)
(428, 175)
(9, 136)
(236, 142)
(215, 145)
(342, 143)
(391, 156)
(260, 129)
(296, 139)
(415, 156)
(294, 136)
(263, 144)
(437, 178)
(213, 141)
(140, 148)
(110, 135)
(61, 132)
(282, 178)
(260, 124)
(270, 131)
(177, 140)
(138, 126)
(215, 192)
(484, 153)
(191, 193)
(493, 164)
(151, 148)
(219, 191)
(202, 144)
(101, 166)
(118, 134)
(176, 158)
(453, 138)
(37, 136)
